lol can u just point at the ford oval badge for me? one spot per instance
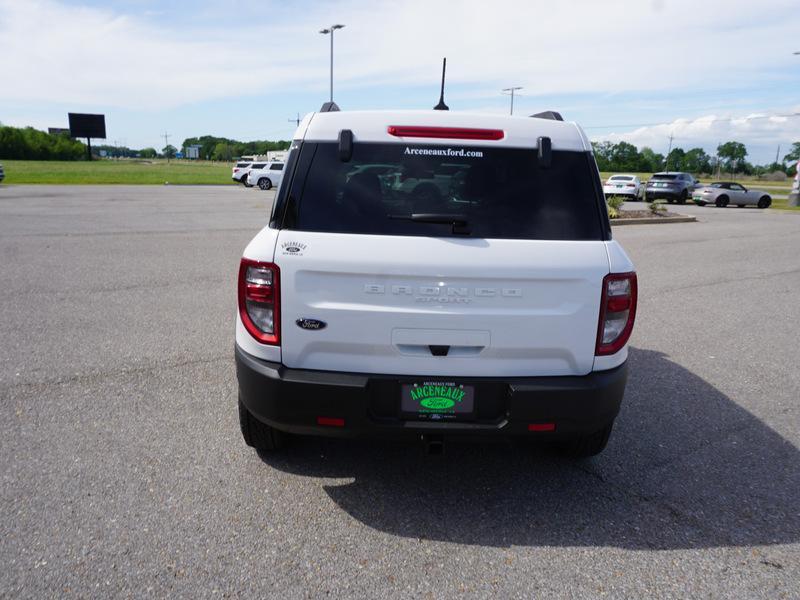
(312, 324)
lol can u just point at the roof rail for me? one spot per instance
(329, 107)
(548, 114)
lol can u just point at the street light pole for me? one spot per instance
(330, 31)
(512, 90)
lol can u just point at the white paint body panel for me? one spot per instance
(372, 126)
(506, 307)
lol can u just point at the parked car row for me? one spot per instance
(2, 174)
(265, 175)
(680, 187)
(670, 186)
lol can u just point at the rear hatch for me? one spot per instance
(498, 276)
(663, 182)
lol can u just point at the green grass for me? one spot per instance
(126, 171)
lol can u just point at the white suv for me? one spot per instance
(498, 307)
(239, 172)
(267, 176)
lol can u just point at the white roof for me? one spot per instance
(372, 126)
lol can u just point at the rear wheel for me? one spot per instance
(264, 183)
(670, 200)
(587, 445)
(700, 203)
(682, 199)
(722, 201)
(257, 434)
(764, 202)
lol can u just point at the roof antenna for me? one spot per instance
(442, 105)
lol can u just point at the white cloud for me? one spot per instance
(760, 132)
(52, 52)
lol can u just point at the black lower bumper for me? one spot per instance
(664, 195)
(293, 400)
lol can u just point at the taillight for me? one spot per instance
(455, 133)
(630, 185)
(259, 300)
(617, 312)
(236, 170)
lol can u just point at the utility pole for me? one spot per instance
(669, 151)
(512, 90)
(296, 121)
(777, 154)
(719, 166)
(166, 143)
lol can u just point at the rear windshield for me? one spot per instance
(240, 165)
(490, 192)
(662, 176)
(621, 178)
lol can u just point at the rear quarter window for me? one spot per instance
(501, 192)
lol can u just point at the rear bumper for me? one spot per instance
(633, 193)
(292, 400)
(667, 194)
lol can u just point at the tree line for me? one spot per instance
(731, 157)
(27, 143)
(220, 148)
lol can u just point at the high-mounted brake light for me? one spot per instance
(617, 312)
(259, 300)
(453, 133)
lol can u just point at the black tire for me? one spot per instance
(701, 203)
(259, 435)
(264, 184)
(684, 196)
(670, 200)
(722, 202)
(764, 202)
(587, 445)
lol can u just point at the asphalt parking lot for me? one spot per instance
(123, 471)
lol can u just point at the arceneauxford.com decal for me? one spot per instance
(444, 152)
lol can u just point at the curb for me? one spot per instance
(653, 221)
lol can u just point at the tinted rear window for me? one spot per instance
(665, 177)
(240, 165)
(259, 165)
(621, 178)
(501, 192)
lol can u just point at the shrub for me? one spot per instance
(613, 205)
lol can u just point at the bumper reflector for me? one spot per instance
(542, 427)
(330, 421)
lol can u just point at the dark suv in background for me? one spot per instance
(672, 186)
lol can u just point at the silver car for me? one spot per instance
(723, 193)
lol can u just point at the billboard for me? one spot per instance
(87, 126)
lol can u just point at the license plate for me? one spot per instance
(697, 198)
(619, 186)
(437, 400)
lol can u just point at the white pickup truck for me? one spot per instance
(497, 306)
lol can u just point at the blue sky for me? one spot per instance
(638, 71)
